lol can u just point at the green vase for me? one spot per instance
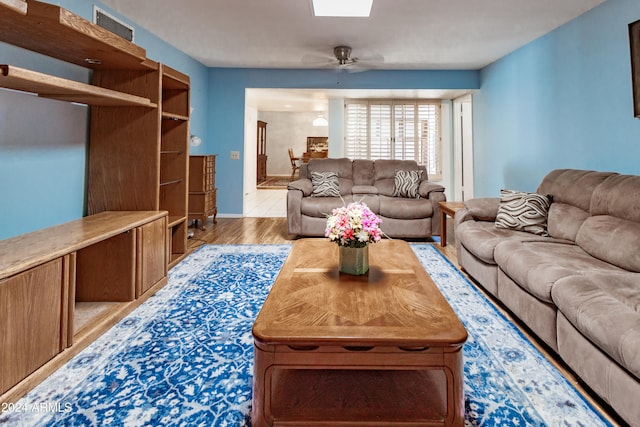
(354, 260)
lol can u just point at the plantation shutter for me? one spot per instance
(380, 131)
(356, 134)
(405, 132)
(428, 135)
(394, 129)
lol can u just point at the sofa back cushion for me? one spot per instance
(612, 232)
(363, 172)
(342, 167)
(571, 190)
(385, 173)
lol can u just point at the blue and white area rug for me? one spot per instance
(185, 356)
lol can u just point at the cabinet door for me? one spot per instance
(152, 254)
(31, 307)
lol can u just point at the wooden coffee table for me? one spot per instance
(382, 349)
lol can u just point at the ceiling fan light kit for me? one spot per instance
(342, 8)
(343, 55)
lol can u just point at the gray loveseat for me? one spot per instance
(578, 289)
(371, 182)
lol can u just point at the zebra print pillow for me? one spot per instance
(406, 183)
(325, 184)
(523, 212)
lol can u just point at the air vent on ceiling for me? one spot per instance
(113, 24)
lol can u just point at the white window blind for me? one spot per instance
(394, 129)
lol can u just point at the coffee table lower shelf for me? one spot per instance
(357, 387)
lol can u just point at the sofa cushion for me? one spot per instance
(611, 233)
(537, 265)
(564, 221)
(363, 172)
(320, 207)
(364, 189)
(480, 238)
(406, 182)
(385, 173)
(571, 190)
(612, 239)
(404, 208)
(605, 308)
(523, 211)
(325, 184)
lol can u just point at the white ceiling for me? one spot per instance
(400, 34)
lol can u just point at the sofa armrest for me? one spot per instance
(427, 187)
(294, 211)
(303, 185)
(478, 209)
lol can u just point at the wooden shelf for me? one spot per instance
(56, 32)
(172, 116)
(175, 220)
(174, 79)
(48, 86)
(18, 6)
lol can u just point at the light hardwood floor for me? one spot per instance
(268, 231)
(274, 231)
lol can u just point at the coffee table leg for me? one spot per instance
(455, 383)
(443, 228)
(262, 361)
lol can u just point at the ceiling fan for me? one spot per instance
(342, 60)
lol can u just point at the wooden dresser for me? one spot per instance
(202, 188)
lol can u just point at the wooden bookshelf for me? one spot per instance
(62, 287)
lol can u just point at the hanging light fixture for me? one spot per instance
(320, 121)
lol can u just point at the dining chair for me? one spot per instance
(294, 163)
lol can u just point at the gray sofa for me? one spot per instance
(371, 182)
(577, 289)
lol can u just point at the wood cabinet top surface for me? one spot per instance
(28, 250)
(54, 31)
(395, 304)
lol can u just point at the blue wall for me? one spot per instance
(227, 105)
(562, 101)
(43, 143)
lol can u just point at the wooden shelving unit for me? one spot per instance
(82, 277)
(174, 158)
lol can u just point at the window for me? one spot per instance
(394, 129)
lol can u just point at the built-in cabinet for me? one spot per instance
(262, 151)
(62, 286)
(202, 189)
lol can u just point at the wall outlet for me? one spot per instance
(235, 155)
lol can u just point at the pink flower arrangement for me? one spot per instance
(354, 225)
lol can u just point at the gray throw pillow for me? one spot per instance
(325, 184)
(523, 212)
(406, 183)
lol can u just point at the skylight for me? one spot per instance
(342, 8)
